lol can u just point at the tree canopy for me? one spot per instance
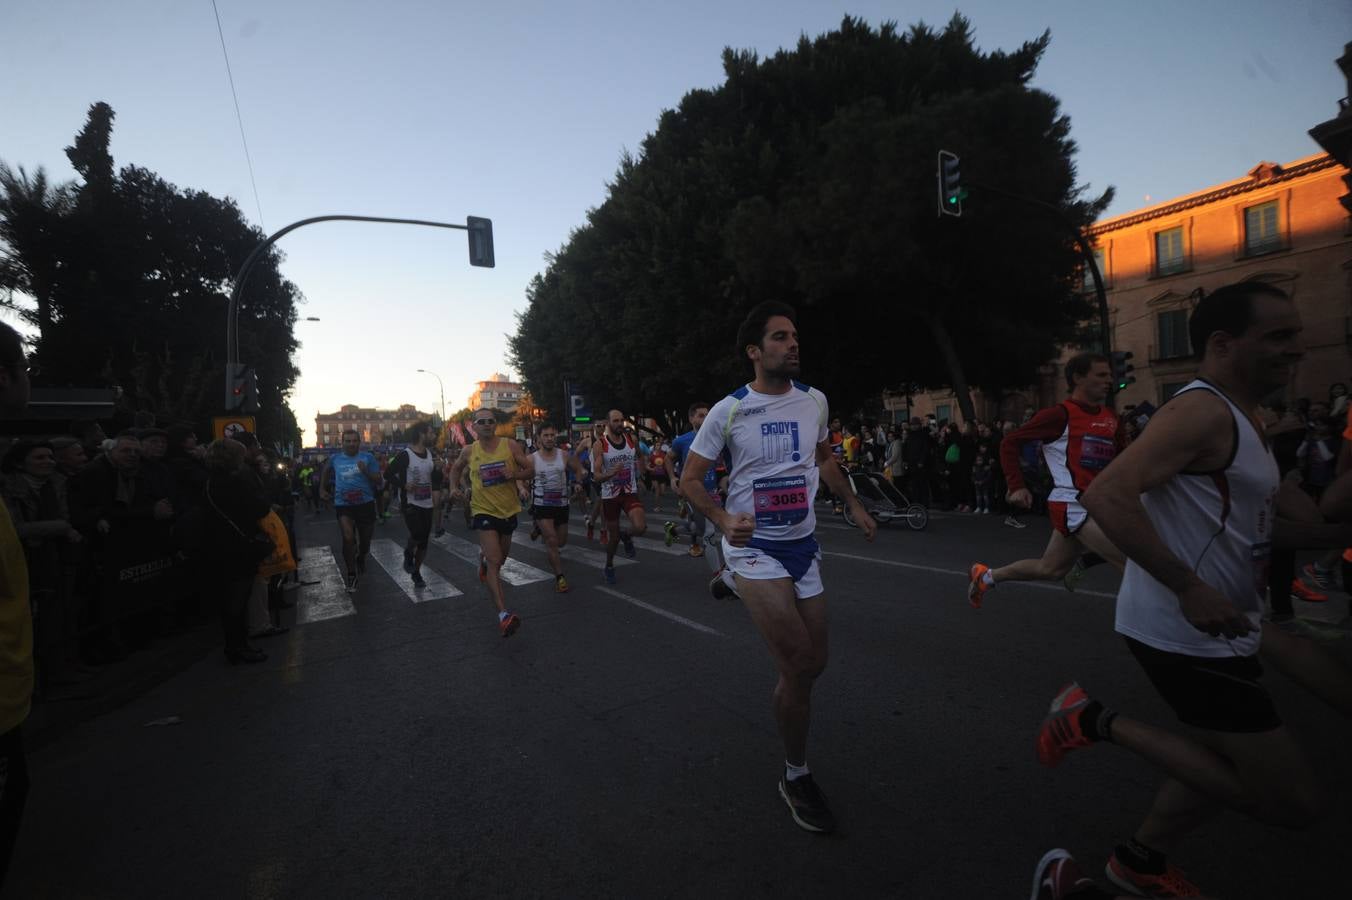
(809, 177)
(127, 278)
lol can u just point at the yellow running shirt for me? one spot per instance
(492, 491)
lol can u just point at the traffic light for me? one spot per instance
(951, 192)
(1122, 370)
(241, 388)
(480, 241)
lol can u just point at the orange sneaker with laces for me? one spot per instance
(976, 585)
(1172, 883)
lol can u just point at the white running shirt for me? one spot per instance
(623, 460)
(418, 479)
(1220, 523)
(551, 480)
(773, 442)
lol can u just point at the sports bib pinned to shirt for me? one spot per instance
(780, 501)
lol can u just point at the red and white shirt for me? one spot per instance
(1077, 442)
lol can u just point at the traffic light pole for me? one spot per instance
(481, 254)
(1105, 328)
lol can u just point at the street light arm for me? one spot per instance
(232, 320)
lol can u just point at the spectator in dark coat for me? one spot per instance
(235, 499)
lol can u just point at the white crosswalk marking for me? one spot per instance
(592, 558)
(391, 558)
(514, 572)
(326, 600)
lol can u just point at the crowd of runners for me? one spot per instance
(1191, 509)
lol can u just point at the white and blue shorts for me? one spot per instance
(760, 560)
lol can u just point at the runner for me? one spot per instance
(675, 462)
(549, 467)
(493, 463)
(775, 429)
(616, 458)
(1079, 436)
(414, 472)
(356, 477)
(659, 475)
(1191, 504)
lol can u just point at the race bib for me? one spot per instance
(353, 497)
(421, 492)
(1096, 452)
(624, 478)
(492, 473)
(780, 501)
(551, 498)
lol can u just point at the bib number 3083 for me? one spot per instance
(780, 501)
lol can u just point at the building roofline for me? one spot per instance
(1251, 182)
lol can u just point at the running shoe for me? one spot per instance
(591, 529)
(351, 585)
(976, 584)
(1323, 578)
(535, 532)
(509, 625)
(1060, 732)
(1301, 591)
(1171, 883)
(1075, 575)
(669, 532)
(561, 585)
(610, 574)
(418, 581)
(1058, 875)
(628, 542)
(720, 588)
(807, 804)
(696, 550)
(483, 568)
(1015, 523)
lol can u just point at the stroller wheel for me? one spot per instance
(917, 516)
(849, 517)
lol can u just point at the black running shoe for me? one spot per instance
(808, 804)
(408, 563)
(418, 581)
(719, 588)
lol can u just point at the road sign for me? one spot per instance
(230, 426)
(578, 411)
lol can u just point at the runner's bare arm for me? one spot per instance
(1301, 525)
(324, 492)
(1194, 432)
(458, 472)
(525, 468)
(671, 469)
(836, 481)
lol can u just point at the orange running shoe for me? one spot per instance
(976, 585)
(1172, 883)
(1060, 732)
(696, 550)
(1301, 591)
(509, 625)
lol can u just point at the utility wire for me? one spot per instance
(238, 116)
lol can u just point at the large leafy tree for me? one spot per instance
(809, 177)
(131, 277)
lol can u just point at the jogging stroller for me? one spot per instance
(883, 501)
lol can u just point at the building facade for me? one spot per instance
(1282, 224)
(376, 426)
(496, 393)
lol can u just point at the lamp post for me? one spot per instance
(442, 391)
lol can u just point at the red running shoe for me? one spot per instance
(1058, 875)
(509, 625)
(1301, 591)
(1173, 883)
(1060, 732)
(976, 585)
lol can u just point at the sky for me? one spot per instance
(520, 112)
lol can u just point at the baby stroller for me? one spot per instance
(883, 501)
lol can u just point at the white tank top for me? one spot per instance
(551, 480)
(622, 460)
(1220, 523)
(418, 480)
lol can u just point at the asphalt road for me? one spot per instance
(621, 744)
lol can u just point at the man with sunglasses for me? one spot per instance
(493, 463)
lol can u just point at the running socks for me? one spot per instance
(502, 616)
(1096, 721)
(1142, 858)
(988, 578)
(792, 772)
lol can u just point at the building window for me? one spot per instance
(1261, 234)
(1173, 334)
(1169, 388)
(942, 412)
(1169, 258)
(1087, 279)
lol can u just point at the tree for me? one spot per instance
(131, 278)
(809, 177)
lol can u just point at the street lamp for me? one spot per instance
(312, 318)
(442, 390)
